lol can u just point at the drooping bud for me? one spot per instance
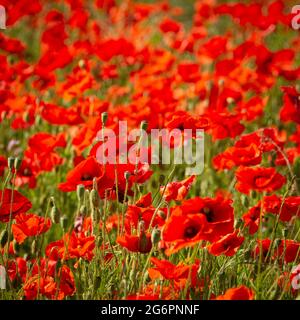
(17, 163)
(155, 235)
(3, 238)
(127, 175)
(104, 118)
(11, 163)
(144, 125)
(162, 214)
(55, 215)
(64, 222)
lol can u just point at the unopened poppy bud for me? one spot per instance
(83, 210)
(33, 247)
(97, 282)
(144, 125)
(3, 238)
(64, 222)
(16, 247)
(94, 198)
(80, 192)
(162, 214)
(17, 163)
(141, 226)
(127, 175)
(95, 184)
(55, 215)
(277, 243)
(143, 242)
(285, 232)
(245, 202)
(52, 201)
(11, 163)
(104, 118)
(155, 235)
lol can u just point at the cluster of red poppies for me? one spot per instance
(72, 68)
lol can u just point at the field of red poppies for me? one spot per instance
(73, 227)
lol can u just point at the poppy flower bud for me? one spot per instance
(33, 247)
(94, 198)
(144, 125)
(55, 215)
(95, 184)
(16, 247)
(83, 210)
(141, 226)
(155, 235)
(127, 175)
(64, 222)
(143, 243)
(3, 238)
(52, 201)
(162, 214)
(97, 282)
(11, 163)
(285, 232)
(17, 163)
(104, 117)
(245, 202)
(277, 243)
(80, 192)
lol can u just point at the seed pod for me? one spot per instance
(11, 163)
(3, 238)
(80, 192)
(64, 222)
(155, 236)
(55, 215)
(104, 118)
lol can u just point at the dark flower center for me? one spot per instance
(86, 177)
(190, 232)
(208, 213)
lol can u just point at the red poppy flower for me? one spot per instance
(259, 179)
(3, 165)
(252, 218)
(179, 273)
(84, 173)
(287, 207)
(136, 243)
(218, 212)
(169, 25)
(184, 230)
(289, 250)
(235, 156)
(76, 245)
(291, 108)
(20, 204)
(177, 190)
(47, 286)
(239, 293)
(228, 245)
(29, 225)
